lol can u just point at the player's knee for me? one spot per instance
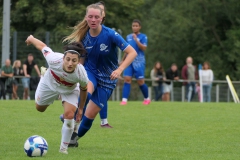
(41, 108)
(140, 82)
(69, 115)
(127, 80)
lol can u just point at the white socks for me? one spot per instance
(76, 126)
(104, 121)
(124, 99)
(147, 98)
(67, 130)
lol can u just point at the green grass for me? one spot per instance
(177, 131)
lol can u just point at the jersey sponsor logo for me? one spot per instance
(103, 47)
(64, 74)
(61, 80)
(89, 47)
(46, 53)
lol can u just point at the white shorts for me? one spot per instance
(45, 96)
(167, 88)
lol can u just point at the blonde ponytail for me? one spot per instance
(80, 30)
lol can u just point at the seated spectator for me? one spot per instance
(6, 80)
(17, 71)
(157, 75)
(171, 74)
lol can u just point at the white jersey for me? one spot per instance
(59, 80)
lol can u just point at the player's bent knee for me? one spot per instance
(128, 80)
(69, 115)
(140, 82)
(41, 108)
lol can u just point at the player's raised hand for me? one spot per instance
(28, 40)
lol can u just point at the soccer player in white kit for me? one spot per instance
(66, 77)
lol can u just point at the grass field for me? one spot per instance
(177, 131)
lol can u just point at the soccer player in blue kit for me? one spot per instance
(101, 63)
(138, 41)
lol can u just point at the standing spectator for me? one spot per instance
(189, 73)
(207, 78)
(6, 81)
(171, 74)
(28, 65)
(138, 41)
(157, 75)
(17, 71)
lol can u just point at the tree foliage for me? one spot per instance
(207, 30)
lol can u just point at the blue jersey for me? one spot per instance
(102, 58)
(140, 59)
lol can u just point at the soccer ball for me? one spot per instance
(35, 146)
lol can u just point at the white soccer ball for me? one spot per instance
(35, 146)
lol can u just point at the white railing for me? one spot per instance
(220, 91)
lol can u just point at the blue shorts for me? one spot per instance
(130, 71)
(25, 82)
(100, 94)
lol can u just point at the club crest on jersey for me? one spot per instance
(103, 47)
(46, 53)
(61, 79)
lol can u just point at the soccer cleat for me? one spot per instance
(73, 145)
(43, 70)
(106, 126)
(123, 103)
(73, 141)
(61, 118)
(63, 150)
(147, 102)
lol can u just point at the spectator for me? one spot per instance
(171, 74)
(157, 76)
(189, 73)
(28, 65)
(6, 81)
(17, 71)
(207, 78)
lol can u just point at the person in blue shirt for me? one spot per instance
(138, 41)
(101, 63)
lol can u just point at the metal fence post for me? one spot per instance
(118, 93)
(228, 95)
(217, 93)
(183, 93)
(150, 92)
(172, 92)
(14, 46)
(113, 95)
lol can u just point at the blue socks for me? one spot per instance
(103, 112)
(144, 89)
(126, 90)
(84, 126)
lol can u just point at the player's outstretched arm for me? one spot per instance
(36, 42)
(131, 54)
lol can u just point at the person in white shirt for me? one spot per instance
(207, 78)
(65, 77)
